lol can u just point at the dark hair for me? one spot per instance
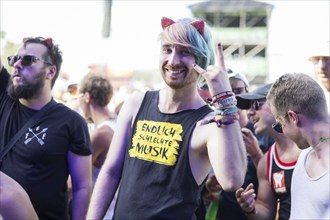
(54, 55)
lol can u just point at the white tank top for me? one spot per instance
(310, 197)
(110, 123)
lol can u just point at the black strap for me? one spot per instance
(29, 123)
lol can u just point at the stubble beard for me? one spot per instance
(187, 80)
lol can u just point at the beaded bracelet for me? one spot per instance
(222, 122)
(219, 98)
(226, 111)
(221, 94)
(227, 101)
(224, 119)
(220, 106)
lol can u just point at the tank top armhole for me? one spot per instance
(269, 162)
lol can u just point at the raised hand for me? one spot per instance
(251, 142)
(215, 75)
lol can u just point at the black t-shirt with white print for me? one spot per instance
(39, 159)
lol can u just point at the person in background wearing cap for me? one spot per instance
(299, 106)
(275, 167)
(321, 63)
(228, 208)
(240, 85)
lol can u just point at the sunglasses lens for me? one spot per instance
(27, 60)
(277, 127)
(12, 60)
(255, 105)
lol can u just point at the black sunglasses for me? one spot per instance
(256, 105)
(26, 60)
(277, 127)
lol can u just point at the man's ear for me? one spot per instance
(293, 116)
(52, 71)
(86, 97)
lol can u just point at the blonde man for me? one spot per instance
(299, 106)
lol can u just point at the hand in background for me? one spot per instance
(246, 198)
(252, 146)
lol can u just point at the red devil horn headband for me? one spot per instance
(199, 24)
(166, 22)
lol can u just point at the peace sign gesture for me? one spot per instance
(215, 75)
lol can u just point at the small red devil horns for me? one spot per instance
(166, 22)
(199, 25)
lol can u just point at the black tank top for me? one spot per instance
(157, 182)
(279, 176)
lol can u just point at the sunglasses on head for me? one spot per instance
(26, 60)
(256, 105)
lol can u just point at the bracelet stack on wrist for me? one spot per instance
(224, 105)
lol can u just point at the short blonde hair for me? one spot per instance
(298, 92)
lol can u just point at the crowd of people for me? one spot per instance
(202, 147)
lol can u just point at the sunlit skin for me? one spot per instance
(176, 65)
(261, 119)
(322, 70)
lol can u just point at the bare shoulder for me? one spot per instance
(136, 97)
(127, 115)
(103, 131)
(102, 136)
(131, 105)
